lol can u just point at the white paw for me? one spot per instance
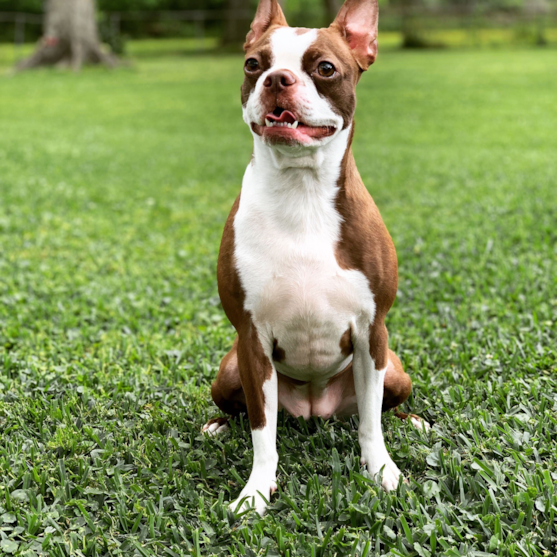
(420, 423)
(251, 497)
(390, 474)
(215, 427)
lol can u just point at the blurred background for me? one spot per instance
(205, 25)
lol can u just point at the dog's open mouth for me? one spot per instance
(282, 126)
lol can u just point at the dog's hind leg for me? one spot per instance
(397, 389)
(227, 392)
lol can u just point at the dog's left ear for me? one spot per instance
(268, 13)
(357, 22)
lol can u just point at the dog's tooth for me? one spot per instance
(294, 125)
(268, 123)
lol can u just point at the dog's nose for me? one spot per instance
(279, 80)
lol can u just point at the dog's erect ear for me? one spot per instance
(357, 23)
(268, 13)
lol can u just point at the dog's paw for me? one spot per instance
(215, 426)
(386, 468)
(419, 423)
(255, 495)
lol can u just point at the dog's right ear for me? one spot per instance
(268, 13)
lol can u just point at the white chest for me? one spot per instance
(286, 232)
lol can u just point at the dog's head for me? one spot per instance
(299, 86)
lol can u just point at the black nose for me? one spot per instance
(280, 80)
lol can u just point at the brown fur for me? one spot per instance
(398, 385)
(396, 390)
(220, 421)
(339, 89)
(253, 366)
(227, 390)
(345, 344)
(278, 353)
(366, 245)
(261, 51)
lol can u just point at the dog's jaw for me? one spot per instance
(322, 158)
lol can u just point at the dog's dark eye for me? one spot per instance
(326, 69)
(252, 65)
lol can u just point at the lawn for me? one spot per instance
(114, 188)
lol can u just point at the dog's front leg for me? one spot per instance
(259, 382)
(369, 368)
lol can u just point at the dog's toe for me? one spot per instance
(391, 474)
(255, 495)
(419, 423)
(389, 481)
(382, 466)
(215, 426)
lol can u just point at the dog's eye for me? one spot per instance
(252, 65)
(326, 69)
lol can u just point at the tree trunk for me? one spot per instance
(412, 31)
(236, 25)
(332, 8)
(70, 37)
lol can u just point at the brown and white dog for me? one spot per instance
(307, 270)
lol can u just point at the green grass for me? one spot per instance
(114, 188)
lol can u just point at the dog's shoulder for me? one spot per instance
(231, 292)
(365, 243)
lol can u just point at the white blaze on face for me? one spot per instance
(288, 47)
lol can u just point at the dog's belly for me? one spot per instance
(310, 313)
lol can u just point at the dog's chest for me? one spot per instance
(299, 297)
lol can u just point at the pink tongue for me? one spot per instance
(286, 116)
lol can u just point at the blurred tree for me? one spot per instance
(331, 9)
(158, 5)
(237, 24)
(412, 33)
(536, 10)
(70, 37)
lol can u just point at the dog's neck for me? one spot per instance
(297, 166)
(298, 189)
